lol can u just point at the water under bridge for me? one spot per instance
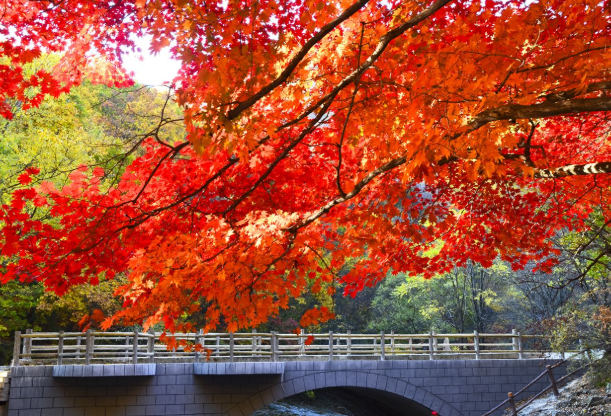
(131, 373)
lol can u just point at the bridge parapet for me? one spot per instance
(94, 347)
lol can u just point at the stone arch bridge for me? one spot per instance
(53, 376)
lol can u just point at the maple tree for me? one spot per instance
(327, 144)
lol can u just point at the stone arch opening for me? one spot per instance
(358, 401)
(396, 397)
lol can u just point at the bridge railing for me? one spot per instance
(36, 348)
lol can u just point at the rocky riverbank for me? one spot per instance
(576, 399)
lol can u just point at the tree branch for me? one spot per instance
(565, 95)
(282, 155)
(357, 188)
(324, 31)
(338, 168)
(574, 170)
(542, 110)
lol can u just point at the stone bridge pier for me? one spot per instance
(401, 387)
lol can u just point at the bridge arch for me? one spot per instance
(347, 379)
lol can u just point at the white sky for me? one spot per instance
(153, 70)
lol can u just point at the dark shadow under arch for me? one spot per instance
(397, 394)
(364, 401)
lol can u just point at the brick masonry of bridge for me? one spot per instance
(450, 387)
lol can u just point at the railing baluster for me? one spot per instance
(301, 343)
(349, 342)
(430, 344)
(254, 342)
(514, 341)
(60, 348)
(135, 347)
(126, 353)
(382, 347)
(203, 341)
(435, 342)
(27, 345)
(392, 343)
(274, 346)
(151, 345)
(78, 347)
(88, 347)
(16, 349)
(374, 343)
(330, 345)
(231, 347)
(476, 344)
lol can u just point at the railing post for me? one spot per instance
(330, 345)
(259, 344)
(203, 340)
(382, 347)
(410, 342)
(135, 347)
(435, 342)
(476, 344)
(512, 404)
(349, 341)
(301, 343)
(392, 343)
(430, 344)
(520, 347)
(60, 348)
(151, 345)
(273, 346)
(552, 380)
(254, 342)
(78, 347)
(16, 349)
(514, 341)
(27, 344)
(218, 346)
(231, 346)
(88, 347)
(126, 353)
(373, 348)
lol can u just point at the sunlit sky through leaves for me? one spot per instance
(152, 69)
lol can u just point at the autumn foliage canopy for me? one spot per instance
(327, 144)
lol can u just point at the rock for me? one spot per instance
(595, 401)
(566, 402)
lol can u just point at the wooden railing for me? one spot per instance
(510, 401)
(36, 348)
